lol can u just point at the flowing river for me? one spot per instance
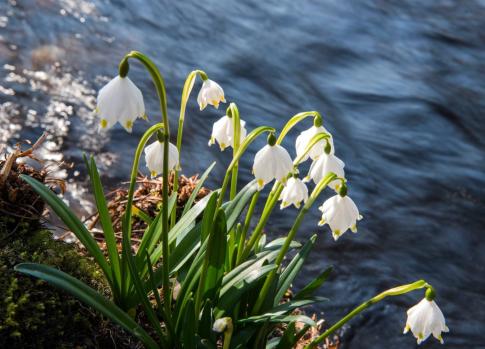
(401, 86)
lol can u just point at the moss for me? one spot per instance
(34, 314)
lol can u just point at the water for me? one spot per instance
(401, 86)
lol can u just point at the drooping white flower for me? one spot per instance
(154, 157)
(120, 101)
(341, 214)
(223, 132)
(426, 318)
(294, 193)
(210, 93)
(322, 166)
(304, 139)
(272, 162)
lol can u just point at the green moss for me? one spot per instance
(34, 314)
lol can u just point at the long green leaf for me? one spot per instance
(189, 338)
(87, 295)
(292, 270)
(277, 319)
(314, 285)
(154, 231)
(215, 256)
(232, 291)
(72, 222)
(195, 192)
(182, 227)
(140, 289)
(106, 223)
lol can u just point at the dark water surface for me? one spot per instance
(401, 85)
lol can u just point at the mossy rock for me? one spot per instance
(34, 314)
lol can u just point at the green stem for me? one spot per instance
(247, 221)
(258, 230)
(278, 187)
(187, 89)
(396, 291)
(233, 112)
(131, 190)
(294, 229)
(162, 96)
(228, 335)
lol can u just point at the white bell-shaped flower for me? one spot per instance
(210, 93)
(154, 157)
(318, 149)
(293, 193)
(272, 162)
(424, 319)
(223, 132)
(120, 101)
(322, 166)
(341, 214)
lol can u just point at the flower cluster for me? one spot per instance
(121, 101)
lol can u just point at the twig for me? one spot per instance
(12, 157)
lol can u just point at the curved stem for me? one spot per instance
(258, 230)
(396, 291)
(162, 96)
(247, 221)
(291, 235)
(294, 120)
(131, 190)
(187, 89)
(233, 112)
(274, 196)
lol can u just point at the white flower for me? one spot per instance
(222, 325)
(294, 193)
(426, 318)
(120, 101)
(272, 162)
(223, 132)
(154, 157)
(210, 93)
(341, 214)
(322, 166)
(318, 149)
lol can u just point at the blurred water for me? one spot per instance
(401, 85)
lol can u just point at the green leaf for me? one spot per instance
(215, 256)
(277, 319)
(154, 231)
(208, 217)
(250, 265)
(138, 212)
(182, 227)
(314, 285)
(140, 289)
(292, 270)
(200, 183)
(289, 306)
(232, 292)
(72, 222)
(89, 296)
(189, 338)
(105, 220)
(206, 322)
(234, 208)
(185, 249)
